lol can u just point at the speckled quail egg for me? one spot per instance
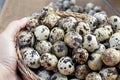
(59, 49)
(49, 61)
(68, 23)
(92, 21)
(58, 76)
(80, 55)
(93, 76)
(101, 49)
(31, 57)
(75, 8)
(115, 22)
(33, 21)
(47, 10)
(109, 28)
(26, 38)
(95, 62)
(90, 43)
(41, 32)
(111, 57)
(44, 74)
(66, 4)
(89, 6)
(51, 20)
(102, 18)
(114, 41)
(68, 10)
(73, 39)
(109, 73)
(97, 8)
(82, 71)
(83, 28)
(56, 34)
(65, 66)
(32, 24)
(43, 46)
(72, 2)
(57, 5)
(102, 34)
(91, 12)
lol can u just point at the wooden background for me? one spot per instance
(16, 9)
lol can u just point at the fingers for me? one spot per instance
(15, 26)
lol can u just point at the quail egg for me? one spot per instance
(93, 76)
(73, 39)
(80, 55)
(31, 57)
(89, 6)
(56, 34)
(51, 20)
(26, 38)
(95, 62)
(102, 18)
(41, 32)
(101, 49)
(59, 49)
(109, 73)
(92, 21)
(111, 57)
(82, 71)
(58, 76)
(102, 34)
(74, 79)
(43, 47)
(115, 22)
(83, 28)
(49, 61)
(65, 66)
(90, 43)
(68, 23)
(44, 74)
(114, 41)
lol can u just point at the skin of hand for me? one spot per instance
(8, 55)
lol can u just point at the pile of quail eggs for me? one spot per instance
(71, 6)
(58, 48)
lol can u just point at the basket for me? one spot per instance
(26, 73)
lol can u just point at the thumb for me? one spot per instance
(15, 26)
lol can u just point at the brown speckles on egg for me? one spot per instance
(59, 49)
(109, 73)
(95, 63)
(48, 61)
(73, 39)
(41, 31)
(82, 71)
(43, 46)
(65, 66)
(58, 76)
(56, 34)
(25, 38)
(91, 45)
(80, 55)
(31, 57)
(111, 57)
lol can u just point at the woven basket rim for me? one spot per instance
(26, 73)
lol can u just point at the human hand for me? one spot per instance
(8, 56)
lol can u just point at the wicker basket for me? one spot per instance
(26, 73)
